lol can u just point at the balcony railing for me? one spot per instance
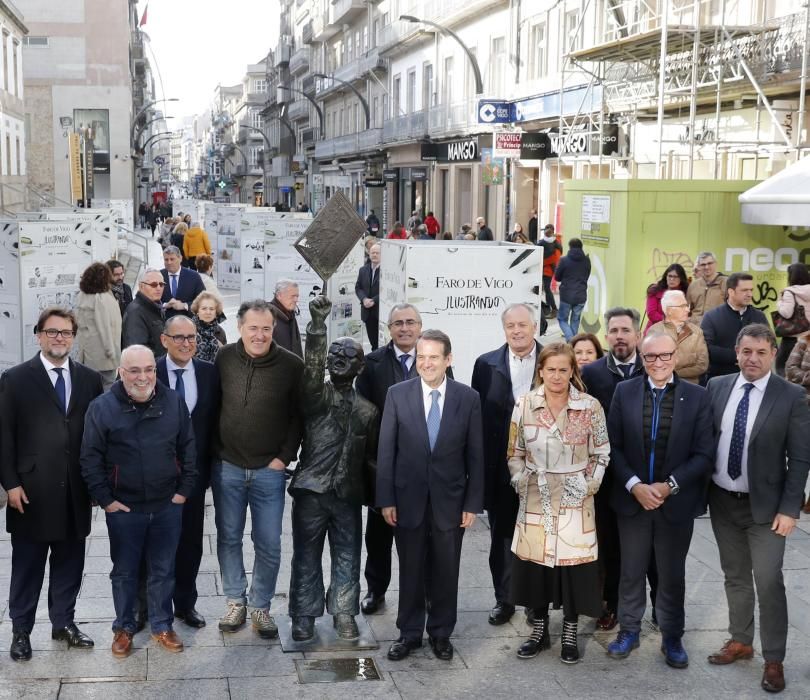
(306, 32)
(406, 127)
(322, 29)
(298, 110)
(299, 61)
(342, 11)
(453, 117)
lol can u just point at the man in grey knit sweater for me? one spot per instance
(259, 434)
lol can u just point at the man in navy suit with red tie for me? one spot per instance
(430, 486)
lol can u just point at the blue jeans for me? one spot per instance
(568, 318)
(155, 536)
(234, 490)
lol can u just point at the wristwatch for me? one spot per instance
(673, 486)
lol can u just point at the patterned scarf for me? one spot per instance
(207, 344)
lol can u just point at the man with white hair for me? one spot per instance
(284, 306)
(144, 317)
(692, 355)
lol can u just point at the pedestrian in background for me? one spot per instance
(367, 289)
(692, 355)
(398, 232)
(178, 237)
(182, 284)
(154, 218)
(587, 349)
(797, 368)
(143, 214)
(413, 221)
(207, 315)
(572, 274)
(144, 318)
(674, 277)
(708, 290)
(195, 243)
(99, 319)
(552, 250)
(432, 225)
(205, 268)
(284, 306)
(484, 231)
(533, 226)
(517, 235)
(795, 295)
(120, 289)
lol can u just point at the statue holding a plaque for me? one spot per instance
(331, 481)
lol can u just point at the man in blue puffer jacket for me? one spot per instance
(138, 460)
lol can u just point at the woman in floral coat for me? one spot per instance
(558, 451)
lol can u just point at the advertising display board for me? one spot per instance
(461, 288)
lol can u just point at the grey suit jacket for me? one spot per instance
(778, 447)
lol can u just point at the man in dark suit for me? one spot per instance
(386, 366)
(500, 377)
(661, 454)
(42, 404)
(430, 485)
(197, 382)
(601, 379)
(182, 284)
(762, 426)
(367, 289)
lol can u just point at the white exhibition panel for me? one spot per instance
(225, 226)
(781, 200)
(10, 307)
(104, 228)
(461, 288)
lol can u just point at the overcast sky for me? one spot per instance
(199, 44)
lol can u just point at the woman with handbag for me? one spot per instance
(558, 452)
(791, 319)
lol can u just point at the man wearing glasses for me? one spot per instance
(708, 290)
(144, 317)
(661, 454)
(139, 463)
(43, 403)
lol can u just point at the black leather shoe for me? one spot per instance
(73, 636)
(191, 617)
(303, 628)
(371, 603)
(20, 646)
(501, 613)
(442, 648)
(402, 647)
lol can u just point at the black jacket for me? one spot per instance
(485, 233)
(533, 229)
(124, 297)
(602, 376)
(285, 329)
(572, 273)
(720, 327)
(39, 450)
(368, 286)
(138, 454)
(143, 324)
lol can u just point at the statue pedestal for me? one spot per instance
(325, 638)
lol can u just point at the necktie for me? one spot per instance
(434, 418)
(626, 368)
(658, 397)
(179, 387)
(174, 286)
(403, 360)
(735, 449)
(61, 389)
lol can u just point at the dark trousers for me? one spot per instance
(746, 547)
(189, 553)
(550, 302)
(428, 569)
(607, 535)
(28, 572)
(640, 535)
(373, 329)
(785, 348)
(379, 540)
(314, 515)
(500, 559)
(155, 536)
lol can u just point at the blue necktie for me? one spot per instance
(403, 360)
(626, 369)
(434, 418)
(658, 398)
(735, 449)
(174, 286)
(179, 387)
(61, 389)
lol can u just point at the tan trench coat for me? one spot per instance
(557, 467)
(99, 339)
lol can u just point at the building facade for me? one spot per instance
(13, 132)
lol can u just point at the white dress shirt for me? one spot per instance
(521, 370)
(428, 400)
(721, 477)
(411, 355)
(49, 367)
(189, 381)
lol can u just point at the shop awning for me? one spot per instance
(781, 200)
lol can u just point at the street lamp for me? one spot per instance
(151, 121)
(165, 134)
(312, 101)
(143, 111)
(351, 87)
(479, 84)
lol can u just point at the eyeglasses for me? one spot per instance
(347, 350)
(53, 333)
(679, 306)
(133, 371)
(409, 323)
(154, 285)
(181, 338)
(652, 357)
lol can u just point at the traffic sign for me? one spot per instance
(495, 112)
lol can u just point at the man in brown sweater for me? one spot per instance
(259, 434)
(708, 290)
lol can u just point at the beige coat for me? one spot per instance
(692, 357)
(797, 368)
(557, 467)
(789, 296)
(703, 297)
(98, 343)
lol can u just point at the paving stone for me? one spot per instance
(28, 690)
(148, 690)
(95, 663)
(289, 687)
(221, 662)
(492, 684)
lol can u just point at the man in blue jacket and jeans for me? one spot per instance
(572, 273)
(139, 463)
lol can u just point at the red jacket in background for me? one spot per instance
(432, 224)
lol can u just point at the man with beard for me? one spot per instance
(138, 460)
(120, 289)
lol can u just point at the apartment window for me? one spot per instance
(357, 127)
(428, 88)
(349, 48)
(376, 32)
(260, 85)
(16, 48)
(410, 97)
(8, 155)
(537, 51)
(573, 38)
(447, 85)
(341, 122)
(385, 114)
(375, 112)
(256, 120)
(36, 42)
(497, 66)
(253, 156)
(365, 45)
(17, 154)
(5, 61)
(395, 106)
(357, 48)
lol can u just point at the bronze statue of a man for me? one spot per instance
(328, 488)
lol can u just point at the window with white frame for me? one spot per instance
(428, 87)
(36, 42)
(497, 66)
(537, 51)
(395, 96)
(260, 85)
(410, 95)
(253, 156)
(573, 38)
(447, 81)
(349, 48)
(256, 120)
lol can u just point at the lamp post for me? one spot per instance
(312, 101)
(143, 111)
(164, 134)
(151, 121)
(479, 83)
(351, 87)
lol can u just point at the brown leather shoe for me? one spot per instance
(773, 677)
(732, 651)
(122, 644)
(169, 641)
